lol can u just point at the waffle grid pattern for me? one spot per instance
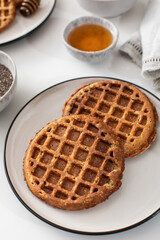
(7, 13)
(67, 170)
(116, 104)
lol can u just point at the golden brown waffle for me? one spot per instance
(28, 7)
(7, 13)
(74, 163)
(123, 107)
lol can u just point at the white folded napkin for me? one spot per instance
(144, 46)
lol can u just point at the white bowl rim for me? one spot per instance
(115, 37)
(108, 0)
(14, 76)
(105, 0)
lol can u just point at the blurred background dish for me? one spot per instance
(107, 8)
(22, 26)
(8, 79)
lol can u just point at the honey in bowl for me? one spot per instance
(90, 37)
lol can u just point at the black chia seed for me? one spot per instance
(6, 79)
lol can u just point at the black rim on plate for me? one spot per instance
(30, 209)
(31, 31)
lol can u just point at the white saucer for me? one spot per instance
(21, 26)
(136, 201)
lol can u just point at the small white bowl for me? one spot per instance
(6, 60)
(90, 56)
(107, 8)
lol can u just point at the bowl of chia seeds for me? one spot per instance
(8, 79)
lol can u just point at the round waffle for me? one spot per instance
(123, 107)
(7, 13)
(74, 163)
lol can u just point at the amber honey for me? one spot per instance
(90, 37)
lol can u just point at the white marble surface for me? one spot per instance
(42, 60)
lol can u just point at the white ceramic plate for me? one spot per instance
(136, 201)
(21, 26)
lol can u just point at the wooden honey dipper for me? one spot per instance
(28, 7)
